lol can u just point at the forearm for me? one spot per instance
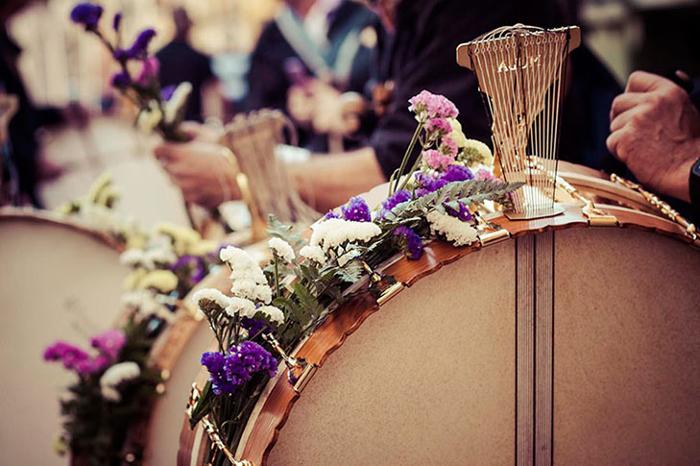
(328, 181)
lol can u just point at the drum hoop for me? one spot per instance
(54, 219)
(273, 411)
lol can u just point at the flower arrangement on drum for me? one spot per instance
(160, 109)
(271, 309)
(117, 379)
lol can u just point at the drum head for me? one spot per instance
(58, 282)
(438, 375)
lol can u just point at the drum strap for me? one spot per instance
(534, 349)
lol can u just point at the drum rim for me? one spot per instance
(51, 218)
(263, 430)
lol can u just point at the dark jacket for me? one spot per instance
(421, 55)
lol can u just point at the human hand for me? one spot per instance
(201, 170)
(655, 131)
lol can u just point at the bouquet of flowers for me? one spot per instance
(271, 309)
(160, 109)
(117, 381)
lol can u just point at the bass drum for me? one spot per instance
(60, 280)
(564, 343)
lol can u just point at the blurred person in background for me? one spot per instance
(311, 53)
(180, 62)
(23, 144)
(420, 54)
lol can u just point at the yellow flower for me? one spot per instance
(183, 238)
(457, 134)
(133, 280)
(162, 280)
(202, 248)
(475, 153)
(104, 181)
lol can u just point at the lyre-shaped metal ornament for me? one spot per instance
(265, 184)
(521, 72)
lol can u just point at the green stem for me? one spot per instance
(406, 156)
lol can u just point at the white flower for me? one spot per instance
(240, 306)
(177, 101)
(282, 248)
(271, 313)
(335, 232)
(250, 289)
(149, 117)
(263, 293)
(164, 281)
(116, 375)
(456, 231)
(132, 257)
(143, 300)
(160, 255)
(213, 295)
(313, 253)
(243, 267)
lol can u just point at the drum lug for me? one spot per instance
(383, 287)
(493, 237)
(305, 377)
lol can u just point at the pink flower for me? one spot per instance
(483, 174)
(427, 105)
(438, 125)
(449, 147)
(109, 343)
(149, 71)
(436, 160)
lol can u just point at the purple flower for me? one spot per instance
(230, 371)
(167, 92)
(457, 173)
(330, 214)
(109, 343)
(414, 244)
(86, 13)
(356, 210)
(121, 80)
(117, 21)
(462, 212)
(73, 358)
(428, 183)
(195, 264)
(149, 71)
(254, 326)
(395, 199)
(139, 48)
(427, 105)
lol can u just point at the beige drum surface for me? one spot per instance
(169, 410)
(428, 379)
(627, 349)
(57, 282)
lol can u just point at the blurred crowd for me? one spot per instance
(344, 70)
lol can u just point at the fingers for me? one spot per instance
(168, 152)
(620, 143)
(625, 102)
(635, 115)
(641, 81)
